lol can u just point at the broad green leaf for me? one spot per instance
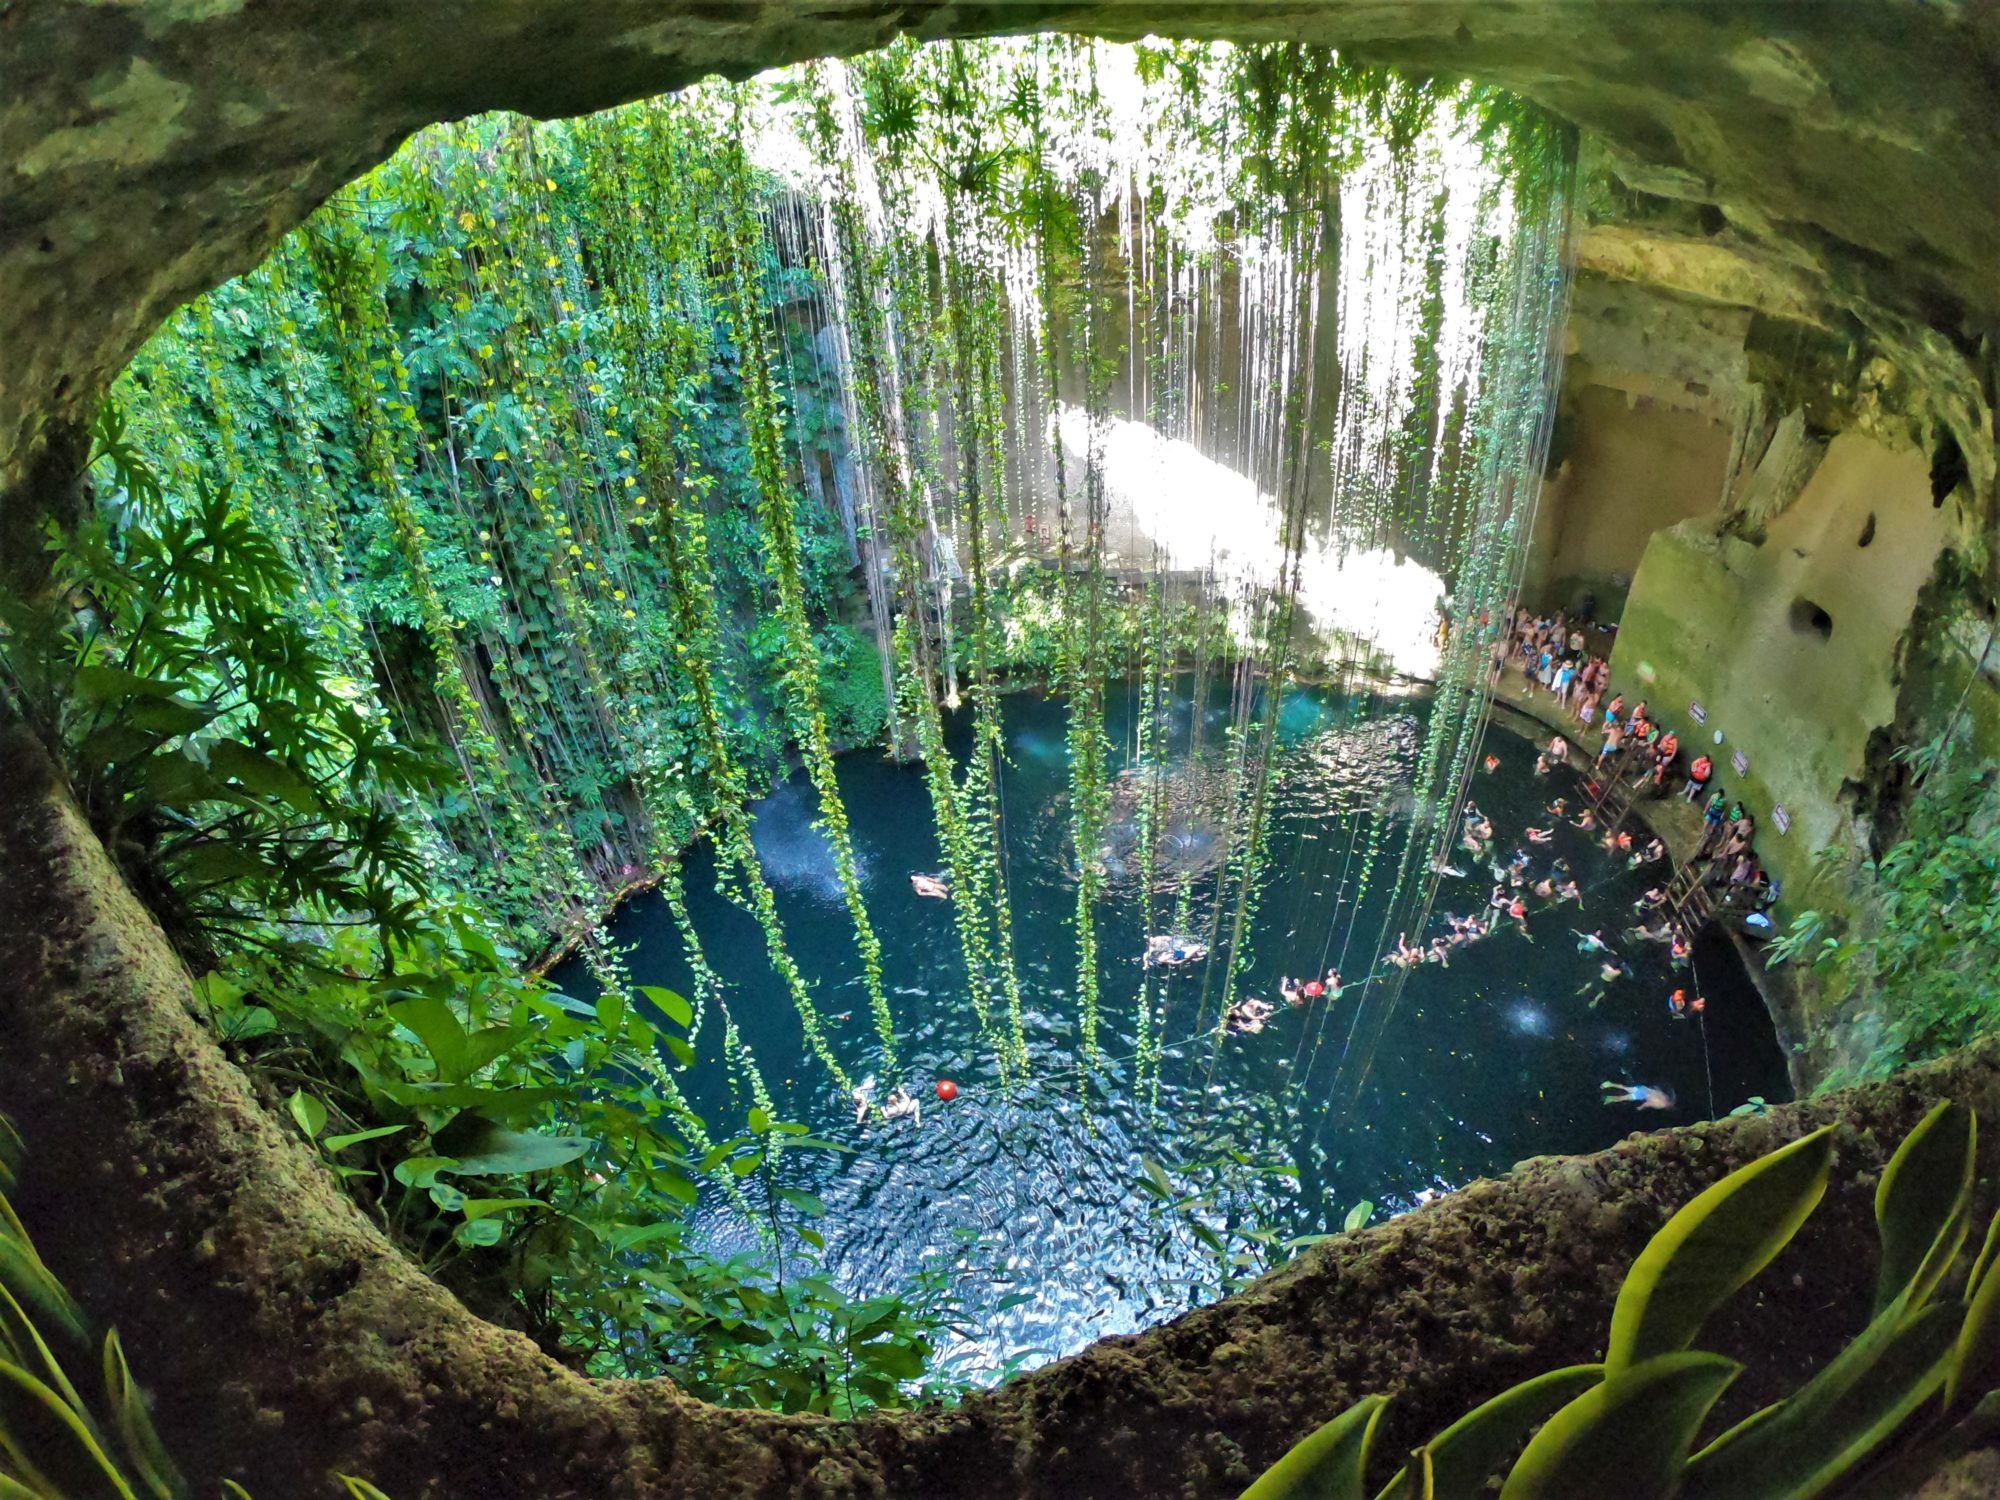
(1922, 1201)
(675, 1008)
(245, 1023)
(1838, 1420)
(1462, 1456)
(114, 684)
(1358, 1215)
(483, 1149)
(1327, 1464)
(610, 1012)
(434, 1024)
(335, 1143)
(1627, 1437)
(1919, 1461)
(263, 775)
(143, 1448)
(479, 1232)
(760, 1121)
(421, 1171)
(1713, 1246)
(309, 1112)
(485, 1208)
(492, 1042)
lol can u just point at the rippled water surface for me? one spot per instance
(1495, 1059)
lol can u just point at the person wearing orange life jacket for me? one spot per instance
(1698, 777)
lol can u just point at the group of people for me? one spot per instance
(1551, 652)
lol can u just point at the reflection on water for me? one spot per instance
(1495, 1059)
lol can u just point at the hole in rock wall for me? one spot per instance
(1867, 531)
(1808, 618)
(1948, 469)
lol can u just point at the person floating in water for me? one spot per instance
(1291, 991)
(1678, 949)
(1332, 982)
(1492, 763)
(1653, 850)
(1677, 1005)
(1590, 942)
(863, 1098)
(1545, 888)
(1440, 953)
(1441, 866)
(902, 1102)
(1248, 1015)
(1653, 899)
(1172, 951)
(1643, 1095)
(1405, 957)
(931, 886)
(1518, 910)
(1540, 835)
(1586, 820)
(1559, 808)
(1568, 890)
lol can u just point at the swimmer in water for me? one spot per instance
(864, 1099)
(1590, 942)
(1291, 991)
(902, 1102)
(1492, 762)
(1678, 949)
(1654, 898)
(1568, 890)
(1332, 985)
(1440, 953)
(1559, 808)
(1545, 887)
(930, 886)
(1439, 866)
(1643, 1095)
(1405, 957)
(1586, 820)
(1247, 1016)
(1540, 835)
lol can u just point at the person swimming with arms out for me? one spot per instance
(902, 1103)
(931, 887)
(1586, 820)
(1405, 957)
(1590, 942)
(1643, 1095)
(1540, 835)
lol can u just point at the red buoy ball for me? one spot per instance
(947, 1090)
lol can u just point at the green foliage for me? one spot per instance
(1924, 936)
(233, 775)
(1910, 1389)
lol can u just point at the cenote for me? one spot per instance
(1036, 1195)
(855, 560)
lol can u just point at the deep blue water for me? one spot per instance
(1034, 1192)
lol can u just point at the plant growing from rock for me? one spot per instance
(1913, 1389)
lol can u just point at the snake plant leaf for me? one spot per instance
(1979, 1335)
(49, 1444)
(1328, 1463)
(1922, 1203)
(1917, 1462)
(24, 1275)
(1838, 1421)
(1459, 1459)
(143, 1448)
(1713, 1246)
(1628, 1436)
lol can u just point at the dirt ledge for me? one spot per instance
(284, 1338)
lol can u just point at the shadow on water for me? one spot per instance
(1489, 1061)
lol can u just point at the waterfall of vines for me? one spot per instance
(489, 553)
